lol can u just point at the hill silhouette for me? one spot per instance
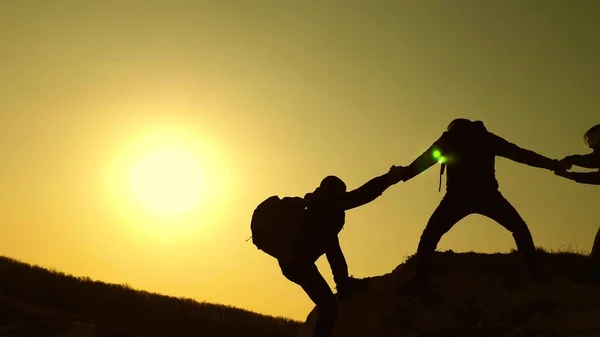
(38, 302)
(474, 295)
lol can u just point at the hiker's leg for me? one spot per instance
(591, 270)
(450, 211)
(310, 279)
(497, 208)
(337, 261)
(595, 254)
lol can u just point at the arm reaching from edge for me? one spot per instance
(511, 151)
(591, 160)
(425, 160)
(372, 189)
(588, 178)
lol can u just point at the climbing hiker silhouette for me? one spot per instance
(591, 271)
(468, 150)
(313, 226)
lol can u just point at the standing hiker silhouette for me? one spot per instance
(468, 150)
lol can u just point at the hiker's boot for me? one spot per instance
(350, 286)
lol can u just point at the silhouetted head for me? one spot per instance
(462, 128)
(458, 123)
(592, 137)
(465, 125)
(330, 188)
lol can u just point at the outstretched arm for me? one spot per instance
(426, 160)
(511, 151)
(591, 160)
(368, 192)
(589, 178)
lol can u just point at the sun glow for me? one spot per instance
(168, 181)
(168, 184)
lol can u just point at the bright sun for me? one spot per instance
(168, 181)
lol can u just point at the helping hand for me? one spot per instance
(563, 173)
(562, 168)
(396, 173)
(563, 165)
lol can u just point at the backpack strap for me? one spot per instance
(442, 168)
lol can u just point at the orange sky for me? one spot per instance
(270, 97)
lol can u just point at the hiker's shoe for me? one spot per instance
(351, 286)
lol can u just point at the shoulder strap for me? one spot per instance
(442, 168)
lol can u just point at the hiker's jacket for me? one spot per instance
(470, 160)
(325, 215)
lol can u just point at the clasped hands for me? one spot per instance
(396, 174)
(562, 167)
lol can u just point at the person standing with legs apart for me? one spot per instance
(591, 272)
(297, 231)
(468, 150)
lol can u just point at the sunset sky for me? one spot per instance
(268, 97)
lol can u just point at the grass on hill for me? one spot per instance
(475, 295)
(38, 302)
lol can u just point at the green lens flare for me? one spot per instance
(437, 154)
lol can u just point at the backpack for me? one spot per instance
(277, 226)
(463, 130)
